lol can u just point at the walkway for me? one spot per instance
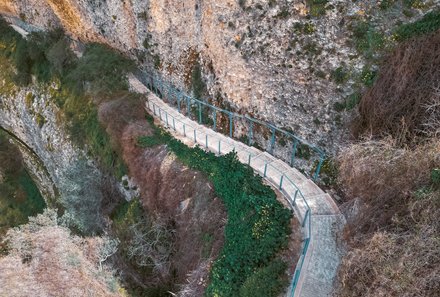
(320, 217)
(320, 257)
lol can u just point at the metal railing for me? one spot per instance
(250, 156)
(185, 104)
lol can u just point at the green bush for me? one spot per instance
(267, 281)
(317, 7)
(102, 69)
(303, 152)
(368, 76)
(339, 75)
(367, 40)
(429, 23)
(352, 101)
(258, 225)
(386, 4)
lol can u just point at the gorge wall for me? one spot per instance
(64, 173)
(287, 62)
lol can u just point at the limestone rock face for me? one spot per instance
(62, 171)
(269, 59)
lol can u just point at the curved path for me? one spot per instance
(320, 217)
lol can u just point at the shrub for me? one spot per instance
(367, 40)
(303, 152)
(102, 68)
(352, 101)
(317, 8)
(304, 28)
(157, 62)
(40, 119)
(386, 4)
(368, 76)
(339, 75)
(263, 283)
(429, 23)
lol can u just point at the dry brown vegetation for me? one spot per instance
(405, 100)
(44, 259)
(392, 179)
(385, 178)
(172, 195)
(395, 238)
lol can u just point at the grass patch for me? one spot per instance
(317, 8)
(340, 75)
(258, 225)
(262, 283)
(367, 40)
(429, 23)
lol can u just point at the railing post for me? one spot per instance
(281, 182)
(294, 197)
(265, 170)
(206, 140)
(195, 137)
(215, 119)
(166, 117)
(184, 130)
(249, 160)
(305, 217)
(200, 113)
(154, 109)
(174, 124)
(292, 158)
(219, 151)
(318, 169)
(306, 245)
(230, 124)
(160, 114)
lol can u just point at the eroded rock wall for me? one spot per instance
(63, 172)
(269, 59)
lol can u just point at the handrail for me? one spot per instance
(161, 88)
(297, 195)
